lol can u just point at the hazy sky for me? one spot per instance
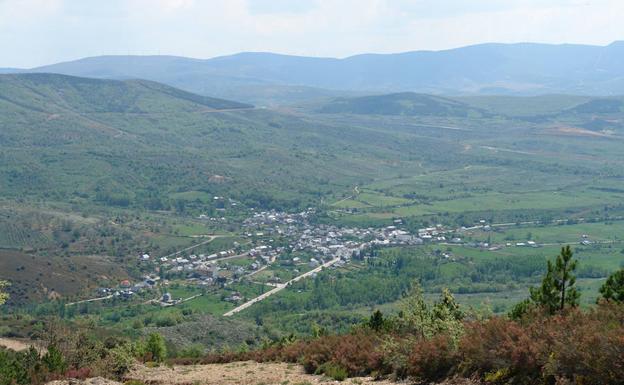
(36, 32)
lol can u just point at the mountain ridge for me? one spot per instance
(490, 68)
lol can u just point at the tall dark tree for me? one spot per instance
(376, 321)
(558, 286)
(613, 288)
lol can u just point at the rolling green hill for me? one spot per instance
(138, 143)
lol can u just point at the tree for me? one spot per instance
(447, 307)
(520, 309)
(557, 290)
(54, 360)
(444, 317)
(376, 321)
(613, 288)
(415, 312)
(156, 347)
(3, 295)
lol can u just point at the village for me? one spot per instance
(282, 248)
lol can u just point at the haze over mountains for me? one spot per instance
(513, 69)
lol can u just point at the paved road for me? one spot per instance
(89, 300)
(279, 288)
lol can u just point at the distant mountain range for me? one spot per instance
(512, 69)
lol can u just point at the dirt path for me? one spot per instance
(19, 345)
(238, 373)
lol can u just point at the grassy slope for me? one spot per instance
(135, 142)
(406, 103)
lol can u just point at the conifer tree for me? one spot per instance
(558, 286)
(613, 288)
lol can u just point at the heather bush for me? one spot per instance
(433, 359)
(581, 347)
(573, 346)
(500, 344)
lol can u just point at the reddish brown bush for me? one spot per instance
(500, 344)
(587, 347)
(583, 347)
(579, 346)
(80, 374)
(432, 360)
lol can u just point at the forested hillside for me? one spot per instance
(134, 143)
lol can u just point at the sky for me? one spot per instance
(38, 32)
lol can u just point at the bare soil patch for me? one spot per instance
(19, 345)
(576, 131)
(238, 373)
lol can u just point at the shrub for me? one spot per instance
(334, 371)
(155, 348)
(80, 374)
(498, 344)
(121, 359)
(54, 360)
(432, 360)
(191, 351)
(357, 353)
(574, 346)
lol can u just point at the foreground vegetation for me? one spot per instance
(546, 339)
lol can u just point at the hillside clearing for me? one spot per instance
(237, 373)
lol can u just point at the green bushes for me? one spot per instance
(77, 355)
(54, 360)
(16, 368)
(154, 348)
(613, 288)
(333, 371)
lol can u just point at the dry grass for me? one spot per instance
(238, 373)
(576, 131)
(19, 345)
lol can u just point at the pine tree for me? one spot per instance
(613, 288)
(54, 360)
(445, 316)
(376, 321)
(558, 286)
